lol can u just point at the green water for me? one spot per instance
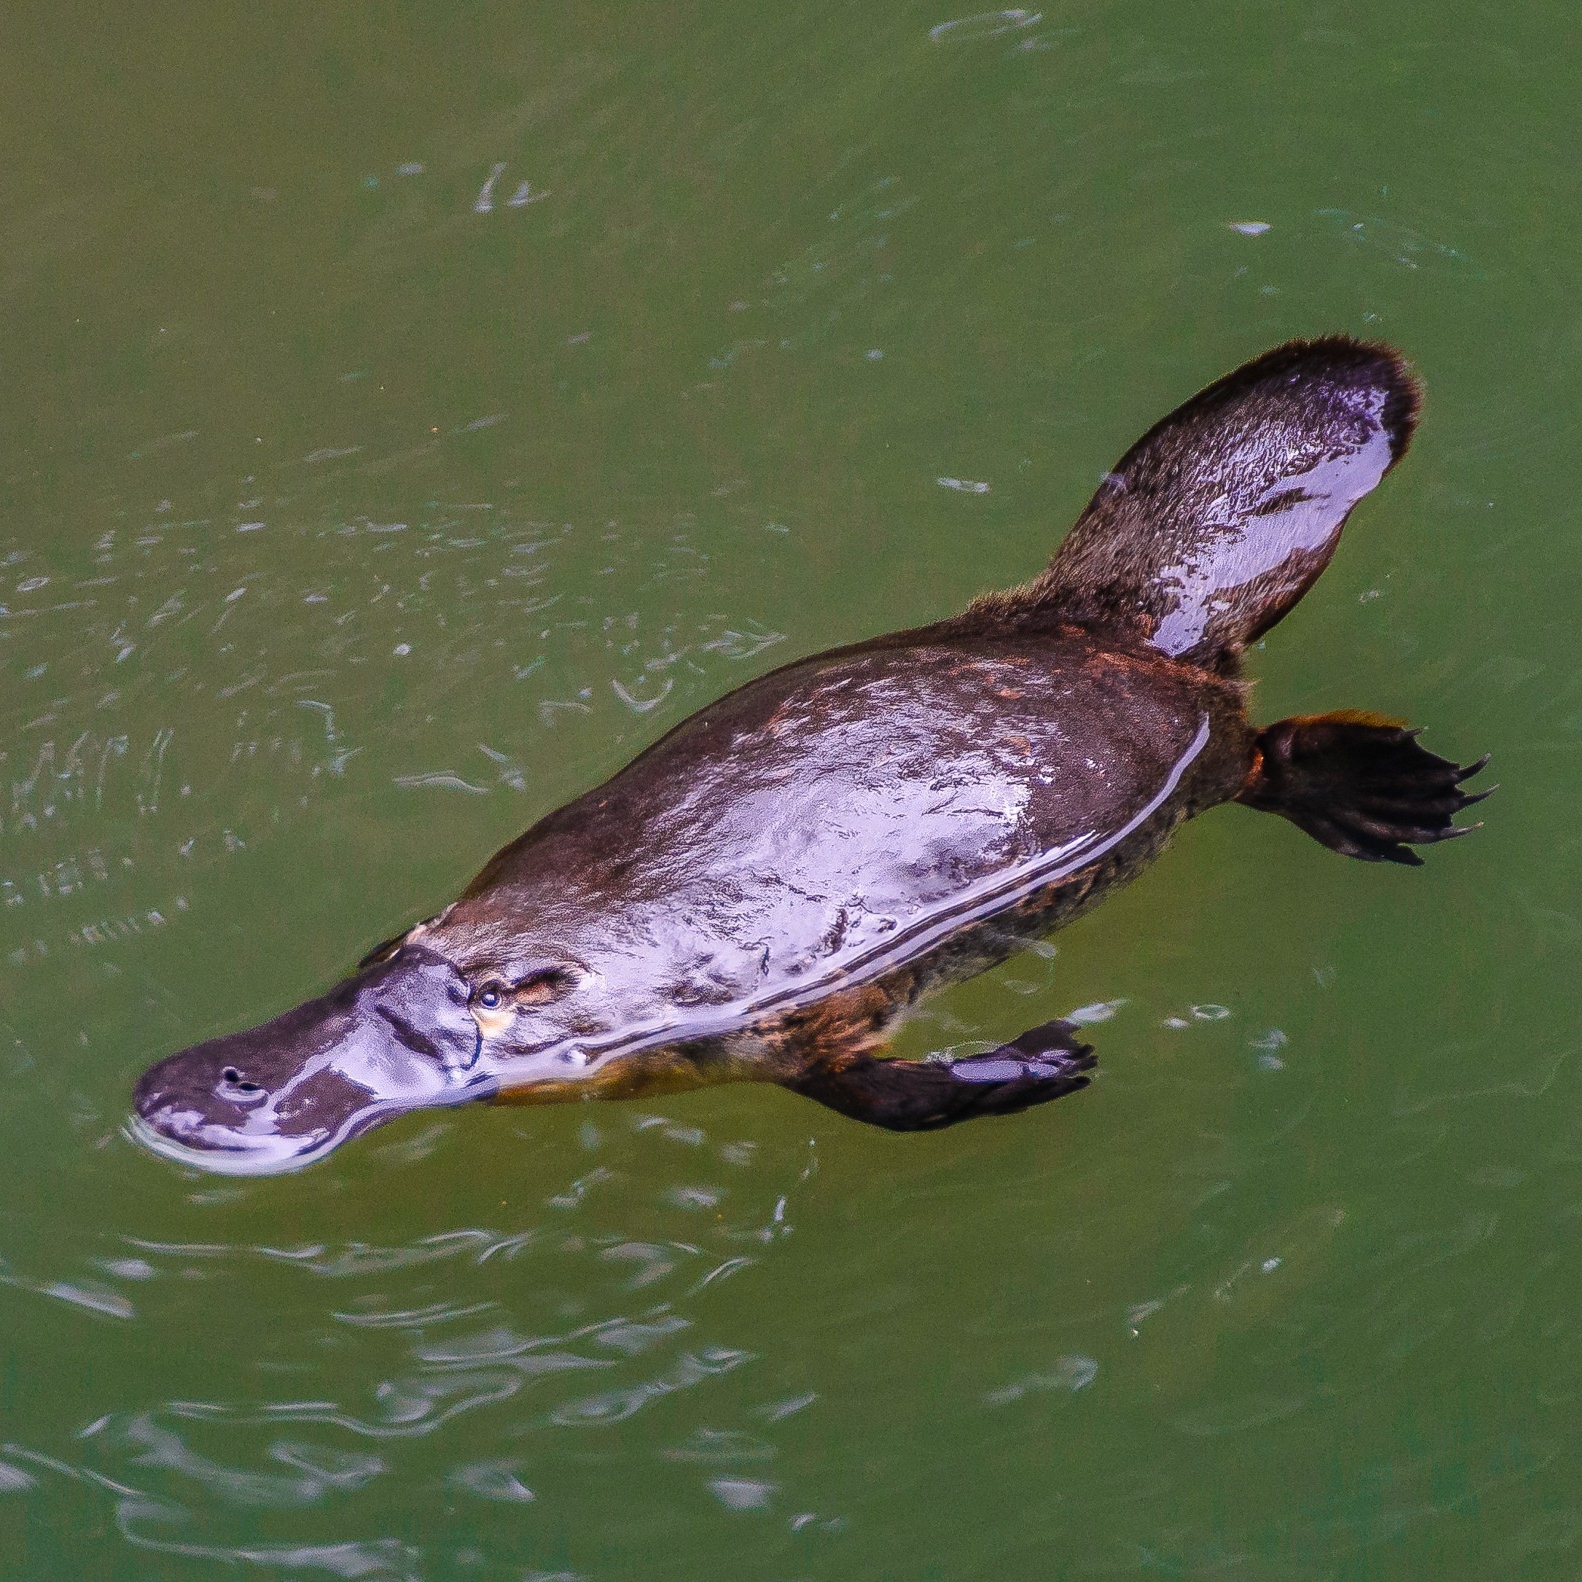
(352, 515)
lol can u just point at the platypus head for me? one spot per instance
(410, 1030)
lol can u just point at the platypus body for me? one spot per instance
(765, 891)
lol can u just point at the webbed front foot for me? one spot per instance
(1045, 1063)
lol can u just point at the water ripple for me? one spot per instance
(616, 1406)
(318, 1374)
(985, 24)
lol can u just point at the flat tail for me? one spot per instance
(1223, 514)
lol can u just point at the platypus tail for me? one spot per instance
(1222, 515)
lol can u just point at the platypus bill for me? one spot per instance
(761, 894)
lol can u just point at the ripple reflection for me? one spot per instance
(327, 1390)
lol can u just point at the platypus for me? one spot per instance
(763, 893)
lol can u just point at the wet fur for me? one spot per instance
(1104, 584)
(845, 1025)
(1155, 508)
(1106, 590)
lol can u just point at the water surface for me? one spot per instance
(408, 413)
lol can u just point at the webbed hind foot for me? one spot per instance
(1360, 785)
(922, 1095)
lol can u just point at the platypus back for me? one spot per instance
(1223, 514)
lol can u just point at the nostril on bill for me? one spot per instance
(237, 1083)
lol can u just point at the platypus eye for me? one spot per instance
(537, 988)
